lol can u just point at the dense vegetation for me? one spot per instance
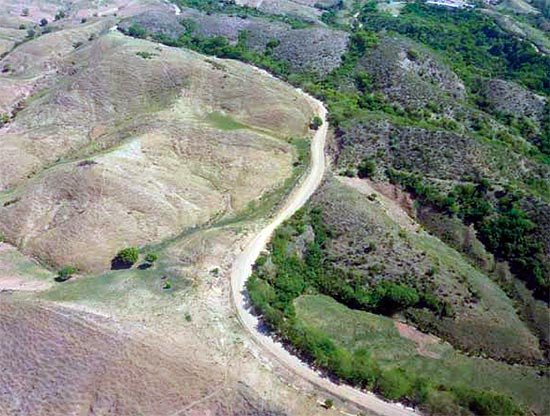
(472, 43)
(278, 280)
(502, 225)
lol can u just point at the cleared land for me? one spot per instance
(126, 150)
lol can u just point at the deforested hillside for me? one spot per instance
(153, 136)
(299, 47)
(113, 144)
(69, 353)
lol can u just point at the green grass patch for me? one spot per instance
(224, 122)
(356, 330)
(113, 287)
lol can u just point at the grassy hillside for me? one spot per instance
(419, 354)
(348, 247)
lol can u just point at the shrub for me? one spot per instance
(65, 273)
(137, 31)
(125, 258)
(486, 403)
(145, 54)
(151, 257)
(412, 54)
(4, 119)
(328, 404)
(43, 22)
(316, 122)
(388, 297)
(59, 15)
(365, 370)
(394, 384)
(272, 44)
(366, 169)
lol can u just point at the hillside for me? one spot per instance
(162, 145)
(109, 142)
(419, 269)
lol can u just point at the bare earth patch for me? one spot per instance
(422, 341)
(397, 205)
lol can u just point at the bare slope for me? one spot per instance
(75, 362)
(154, 144)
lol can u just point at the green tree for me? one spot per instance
(126, 258)
(316, 122)
(151, 257)
(65, 273)
(366, 169)
(137, 31)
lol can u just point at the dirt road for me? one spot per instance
(242, 268)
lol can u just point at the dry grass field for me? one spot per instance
(121, 149)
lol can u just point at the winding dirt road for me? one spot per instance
(242, 269)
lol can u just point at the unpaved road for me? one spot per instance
(242, 268)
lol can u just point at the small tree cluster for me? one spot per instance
(126, 258)
(65, 273)
(137, 31)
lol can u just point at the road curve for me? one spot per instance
(242, 269)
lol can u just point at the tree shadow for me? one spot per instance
(118, 264)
